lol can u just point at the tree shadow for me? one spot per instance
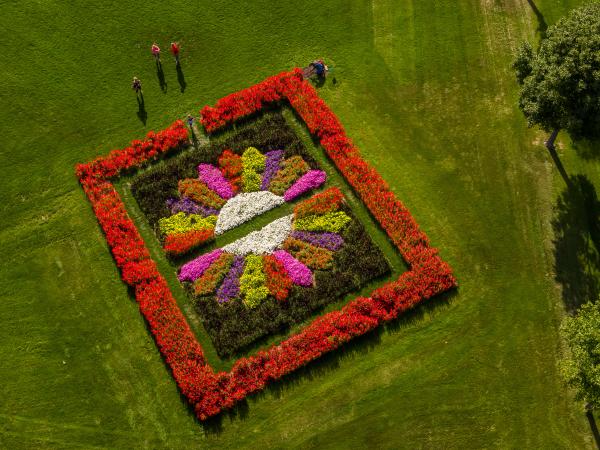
(141, 112)
(594, 428)
(587, 149)
(577, 243)
(542, 25)
(558, 164)
(161, 77)
(181, 78)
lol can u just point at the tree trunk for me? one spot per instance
(551, 139)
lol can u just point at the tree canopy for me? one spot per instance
(561, 81)
(582, 369)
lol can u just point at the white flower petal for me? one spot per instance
(244, 207)
(264, 241)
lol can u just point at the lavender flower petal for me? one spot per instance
(330, 241)
(272, 163)
(231, 285)
(188, 206)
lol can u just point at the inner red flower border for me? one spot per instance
(209, 392)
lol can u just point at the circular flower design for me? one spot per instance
(226, 195)
(268, 262)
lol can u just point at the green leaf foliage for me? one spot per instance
(581, 369)
(561, 82)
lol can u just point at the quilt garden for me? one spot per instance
(277, 275)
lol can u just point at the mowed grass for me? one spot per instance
(424, 89)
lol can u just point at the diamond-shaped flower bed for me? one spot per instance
(272, 277)
(211, 392)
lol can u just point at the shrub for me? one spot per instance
(231, 167)
(278, 281)
(253, 163)
(199, 192)
(253, 282)
(309, 255)
(331, 221)
(180, 223)
(207, 283)
(291, 169)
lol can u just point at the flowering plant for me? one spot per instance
(310, 180)
(215, 195)
(278, 281)
(199, 192)
(291, 169)
(298, 272)
(231, 286)
(181, 223)
(272, 165)
(214, 179)
(211, 392)
(212, 276)
(231, 168)
(254, 164)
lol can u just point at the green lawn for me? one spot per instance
(425, 90)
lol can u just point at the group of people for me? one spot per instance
(136, 84)
(317, 67)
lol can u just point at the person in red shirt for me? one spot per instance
(175, 51)
(156, 52)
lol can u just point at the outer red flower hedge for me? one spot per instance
(211, 392)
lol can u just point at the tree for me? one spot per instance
(561, 82)
(581, 369)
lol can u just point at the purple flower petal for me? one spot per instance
(188, 206)
(330, 241)
(215, 180)
(231, 285)
(298, 272)
(196, 267)
(310, 180)
(272, 163)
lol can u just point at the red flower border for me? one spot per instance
(211, 392)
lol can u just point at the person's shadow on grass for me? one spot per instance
(577, 243)
(181, 78)
(141, 113)
(160, 74)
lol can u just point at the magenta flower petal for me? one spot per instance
(298, 272)
(310, 180)
(196, 267)
(215, 180)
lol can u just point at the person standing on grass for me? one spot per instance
(136, 85)
(190, 121)
(175, 51)
(156, 52)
